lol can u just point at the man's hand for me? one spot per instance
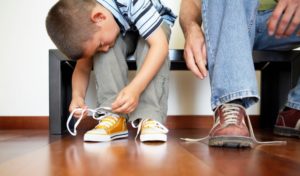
(285, 18)
(195, 51)
(78, 103)
(126, 101)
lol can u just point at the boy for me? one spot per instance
(89, 31)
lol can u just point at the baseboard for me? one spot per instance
(24, 122)
(173, 122)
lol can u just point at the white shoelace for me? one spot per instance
(231, 112)
(102, 111)
(145, 122)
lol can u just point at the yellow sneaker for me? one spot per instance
(109, 128)
(151, 130)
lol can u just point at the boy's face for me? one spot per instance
(104, 38)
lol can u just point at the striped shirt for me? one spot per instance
(143, 16)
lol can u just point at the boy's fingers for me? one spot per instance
(131, 108)
(78, 114)
(118, 102)
(128, 106)
(122, 109)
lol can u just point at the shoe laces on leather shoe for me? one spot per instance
(230, 124)
(229, 120)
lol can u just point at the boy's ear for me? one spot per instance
(98, 17)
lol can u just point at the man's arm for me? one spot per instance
(195, 49)
(127, 99)
(80, 81)
(190, 14)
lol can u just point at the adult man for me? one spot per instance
(231, 29)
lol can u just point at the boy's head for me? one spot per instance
(79, 28)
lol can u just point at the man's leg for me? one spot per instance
(229, 27)
(294, 97)
(265, 42)
(288, 121)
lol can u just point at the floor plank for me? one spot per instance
(35, 152)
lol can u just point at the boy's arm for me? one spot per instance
(127, 99)
(195, 49)
(80, 80)
(157, 53)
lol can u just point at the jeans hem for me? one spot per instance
(248, 97)
(293, 105)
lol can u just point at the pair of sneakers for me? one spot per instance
(112, 126)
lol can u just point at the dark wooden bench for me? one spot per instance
(279, 73)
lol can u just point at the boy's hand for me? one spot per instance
(126, 101)
(78, 102)
(195, 51)
(285, 18)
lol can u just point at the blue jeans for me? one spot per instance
(233, 28)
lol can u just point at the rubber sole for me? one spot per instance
(232, 142)
(103, 138)
(153, 137)
(286, 131)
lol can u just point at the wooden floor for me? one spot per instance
(34, 152)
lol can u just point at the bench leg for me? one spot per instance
(275, 85)
(295, 69)
(60, 92)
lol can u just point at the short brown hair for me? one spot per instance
(69, 26)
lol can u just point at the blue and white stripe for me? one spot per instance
(142, 15)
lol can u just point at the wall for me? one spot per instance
(24, 46)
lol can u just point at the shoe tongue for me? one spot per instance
(149, 120)
(107, 121)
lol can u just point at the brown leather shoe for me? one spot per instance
(230, 129)
(288, 123)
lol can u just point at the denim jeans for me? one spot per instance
(233, 28)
